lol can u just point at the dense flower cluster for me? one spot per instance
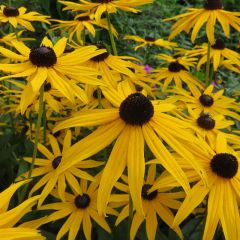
(114, 137)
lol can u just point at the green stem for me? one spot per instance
(130, 216)
(113, 44)
(39, 122)
(207, 77)
(44, 118)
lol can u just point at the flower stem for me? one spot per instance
(130, 216)
(207, 76)
(39, 122)
(44, 119)
(113, 44)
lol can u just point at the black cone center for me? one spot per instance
(206, 100)
(136, 109)
(10, 12)
(82, 201)
(224, 165)
(206, 122)
(43, 57)
(146, 195)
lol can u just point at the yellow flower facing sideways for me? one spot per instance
(134, 121)
(8, 218)
(210, 14)
(219, 54)
(79, 24)
(98, 7)
(149, 41)
(18, 16)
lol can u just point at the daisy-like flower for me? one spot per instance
(156, 203)
(211, 13)
(19, 16)
(101, 6)
(133, 121)
(48, 169)
(9, 218)
(149, 41)
(208, 101)
(218, 54)
(207, 126)
(79, 24)
(8, 38)
(177, 71)
(108, 64)
(80, 210)
(222, 167)
(50, 63)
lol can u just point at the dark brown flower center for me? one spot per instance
(224, 165)
(100, 57)
(219, 44)
(82, 201)
(43, 57)
(146, 195)
(213, 4)
(83, 18)
(206, 122)
(206, 100)
(150, 39)
(136, 109)
(175, 67)
(56, 161)
(10, 11)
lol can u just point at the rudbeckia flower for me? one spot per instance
(222, 167)
(80, 210)
(133, 121)
(8, 38)
(50, 63)
(207, 126)
(176, 72)
(218, 53)
(211, 13)
(209, 101)
(9, 218)
(157, 203)
(108, 64)
(19, 16)
(48, 169)
(100, 6)
(79, 24)
(149, 41)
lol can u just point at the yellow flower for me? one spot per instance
(211, 13)
(19, 16)
(9, 218)
(48, 169)
(218, 54)
(80, 210)
(79, 24)
(149, 41)
(208, 101)
(156, 203)
(8, 38)
(222, 167)
(100, 6)
(177, 72)
(50, 63)
(133, 121)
